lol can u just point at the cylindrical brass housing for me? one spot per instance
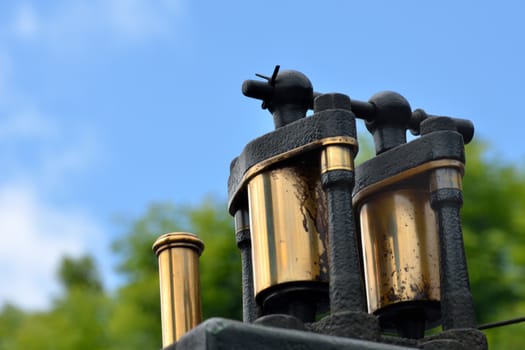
(337, 157)
(400, 248)
(400, 242)
(178, 255)
(288, 221)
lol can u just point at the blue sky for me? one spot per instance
(108, 105)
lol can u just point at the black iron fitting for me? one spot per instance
(463, 126)
(287, 95)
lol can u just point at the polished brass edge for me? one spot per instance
(171, 331)
(337, 140)
(325, 170)
(178, 239)
(376, 187)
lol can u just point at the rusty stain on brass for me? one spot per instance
(312, 147)
(288, 225)
(400, 245)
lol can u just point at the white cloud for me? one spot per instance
(5, 70)
(40, 159)
(34, 237)
(140, 18)
(75, 156)
(44, 158)
(25, 21)
(39, 150)
(26, 125)
(80, 23)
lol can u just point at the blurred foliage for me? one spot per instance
(136, 320)
(77, 320)
(494, 234)
(79, 273)
(85, 316)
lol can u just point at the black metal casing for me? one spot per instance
(299, 141)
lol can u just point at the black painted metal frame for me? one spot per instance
(288, 95)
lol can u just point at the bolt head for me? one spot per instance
(332, 101)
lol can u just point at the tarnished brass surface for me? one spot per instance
(408, 174)
(400, 247)
(399, 233)
(346, 141)
(445, 178)
(288, 222)
(336, 157)
(178, 255)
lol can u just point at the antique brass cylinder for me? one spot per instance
(400, 248)
(288, 223)
(178, 254)
(400, 242)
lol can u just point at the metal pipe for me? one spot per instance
(457, 307)
(250, 310)
(180, 300)
(446, 198)
(337, 178)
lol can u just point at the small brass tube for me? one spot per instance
(336, 157)
(178, 255)
(445, 178)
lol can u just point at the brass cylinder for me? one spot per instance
(178, 254)
(449, 177)
(400, 250)
(337, 157)
(288, 222)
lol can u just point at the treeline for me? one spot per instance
(87, 316)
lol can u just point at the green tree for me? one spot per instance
(76, 320)
(494, 233)
(11, 319)
(136, 320)
(220, 261)
(79, 273)
(85, 316)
